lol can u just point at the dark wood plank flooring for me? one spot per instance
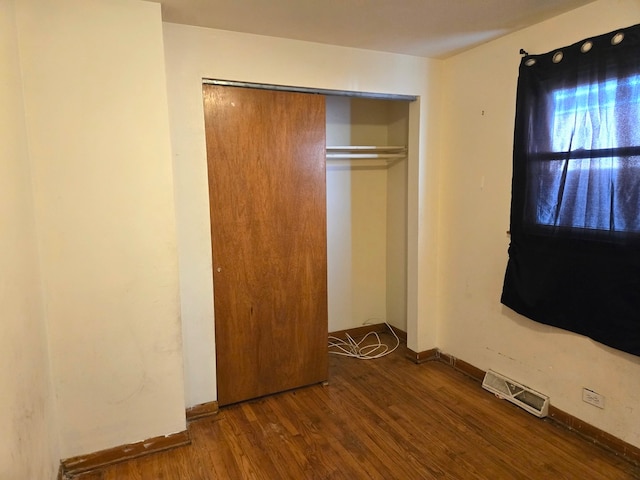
(378, 419)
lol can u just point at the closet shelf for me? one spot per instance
(376, 155)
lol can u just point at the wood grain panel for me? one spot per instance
(266, 161)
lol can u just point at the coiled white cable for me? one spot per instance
(356, 349)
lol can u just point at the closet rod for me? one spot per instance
(319, 91)
(366, 155)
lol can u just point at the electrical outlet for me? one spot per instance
(592, 398)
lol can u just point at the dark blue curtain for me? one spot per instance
(574, 257)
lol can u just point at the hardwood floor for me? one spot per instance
(381, 419)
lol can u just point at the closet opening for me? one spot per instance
(372, 205)
(367, 219)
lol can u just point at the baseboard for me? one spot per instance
(617, 446)
(359, 331)
(202, 411)
(104, 458)
(462, 366)
(425, 356)
(401, 334)
(600, 437)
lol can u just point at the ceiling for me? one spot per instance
(425, 28)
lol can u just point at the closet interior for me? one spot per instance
(366, 186)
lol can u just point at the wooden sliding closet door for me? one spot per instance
(266, 160)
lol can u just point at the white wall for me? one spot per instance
(396, 255)
(397, 221)
(194, 53)
(475, 199)
(98, 134)
(366, 216)
(29, 443)
(356, 246)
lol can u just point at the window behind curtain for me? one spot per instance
(590, 178)
(574, 258)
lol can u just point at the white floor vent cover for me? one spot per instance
(532, 401)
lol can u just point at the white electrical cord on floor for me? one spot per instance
(355, 349)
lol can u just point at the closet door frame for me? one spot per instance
(413, 196)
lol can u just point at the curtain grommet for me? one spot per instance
(557, 57)
(617, 38)
(530, 62)
(586, 46)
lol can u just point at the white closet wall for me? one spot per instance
(398, 115)
(366, 215)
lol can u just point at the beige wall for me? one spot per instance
(98, 136)
(194, 53)
(475, 197)
(28, 444)
(98, 277)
